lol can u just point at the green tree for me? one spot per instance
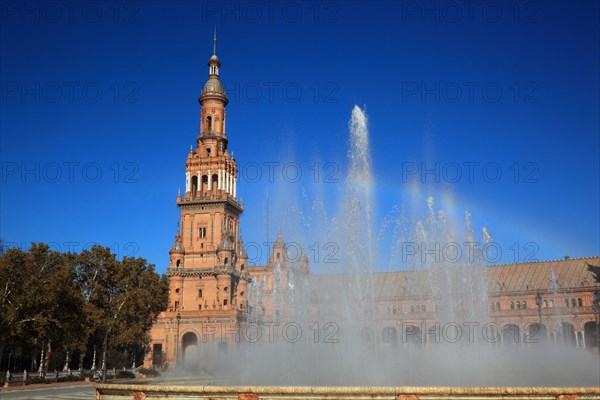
(122, 298)
(41, 302)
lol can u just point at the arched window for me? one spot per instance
(512, 305)
(551, 303)
(579, 302)
(497, 305)
(518, 305)
(573, 303)
(524, 305)
(545, 303)
(200, 293)
(177, 263)
(566, 302)
(242, 267)
(226, 260)
(209, 124)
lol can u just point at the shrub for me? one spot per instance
(125, 375)
(149, 372)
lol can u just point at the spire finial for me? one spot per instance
(215, 42)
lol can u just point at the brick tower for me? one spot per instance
(207, 272)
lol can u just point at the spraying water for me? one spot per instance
(328, 329)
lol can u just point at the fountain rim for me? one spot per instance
(352, 390)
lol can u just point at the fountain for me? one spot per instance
(320, 335)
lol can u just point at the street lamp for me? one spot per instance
(177, 336)
(538, 303)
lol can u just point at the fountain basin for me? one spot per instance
(141, 392)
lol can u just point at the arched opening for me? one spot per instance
(389, 336)
(194, 185)
(214, 182)
(204, 186)
(226, 261)
(209, 124)
(579, 302)
(590, 334)
(497, 305)
(178, 264)
(536, 333)
(189, 345)
(511, 334)
(412, 334)
(566, 334)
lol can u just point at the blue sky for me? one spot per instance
(500, 100)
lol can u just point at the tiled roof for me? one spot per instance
(533, 276)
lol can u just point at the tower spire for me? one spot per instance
(215, 42)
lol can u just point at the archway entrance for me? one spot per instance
(566, 334)
(590, 334)
(536, 333)
(189, 345)
(510, 335)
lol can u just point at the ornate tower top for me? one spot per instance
(213, 89)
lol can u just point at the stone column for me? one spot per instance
(219, 179)
(234, 187)
(187, 182)
(199, 188)
(209, 179)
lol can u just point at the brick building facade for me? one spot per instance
(209, 273)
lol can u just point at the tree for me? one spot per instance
(40, 301)
(594, 270)
(122, 298)
(66, 303)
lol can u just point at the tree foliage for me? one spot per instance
(65, 302)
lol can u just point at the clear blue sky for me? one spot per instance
(98, 103)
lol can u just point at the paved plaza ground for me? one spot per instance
(71, 391)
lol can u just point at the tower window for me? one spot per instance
(208, 152)
(225, 302)
(209, 124)
(201, 233)
(200, 293)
